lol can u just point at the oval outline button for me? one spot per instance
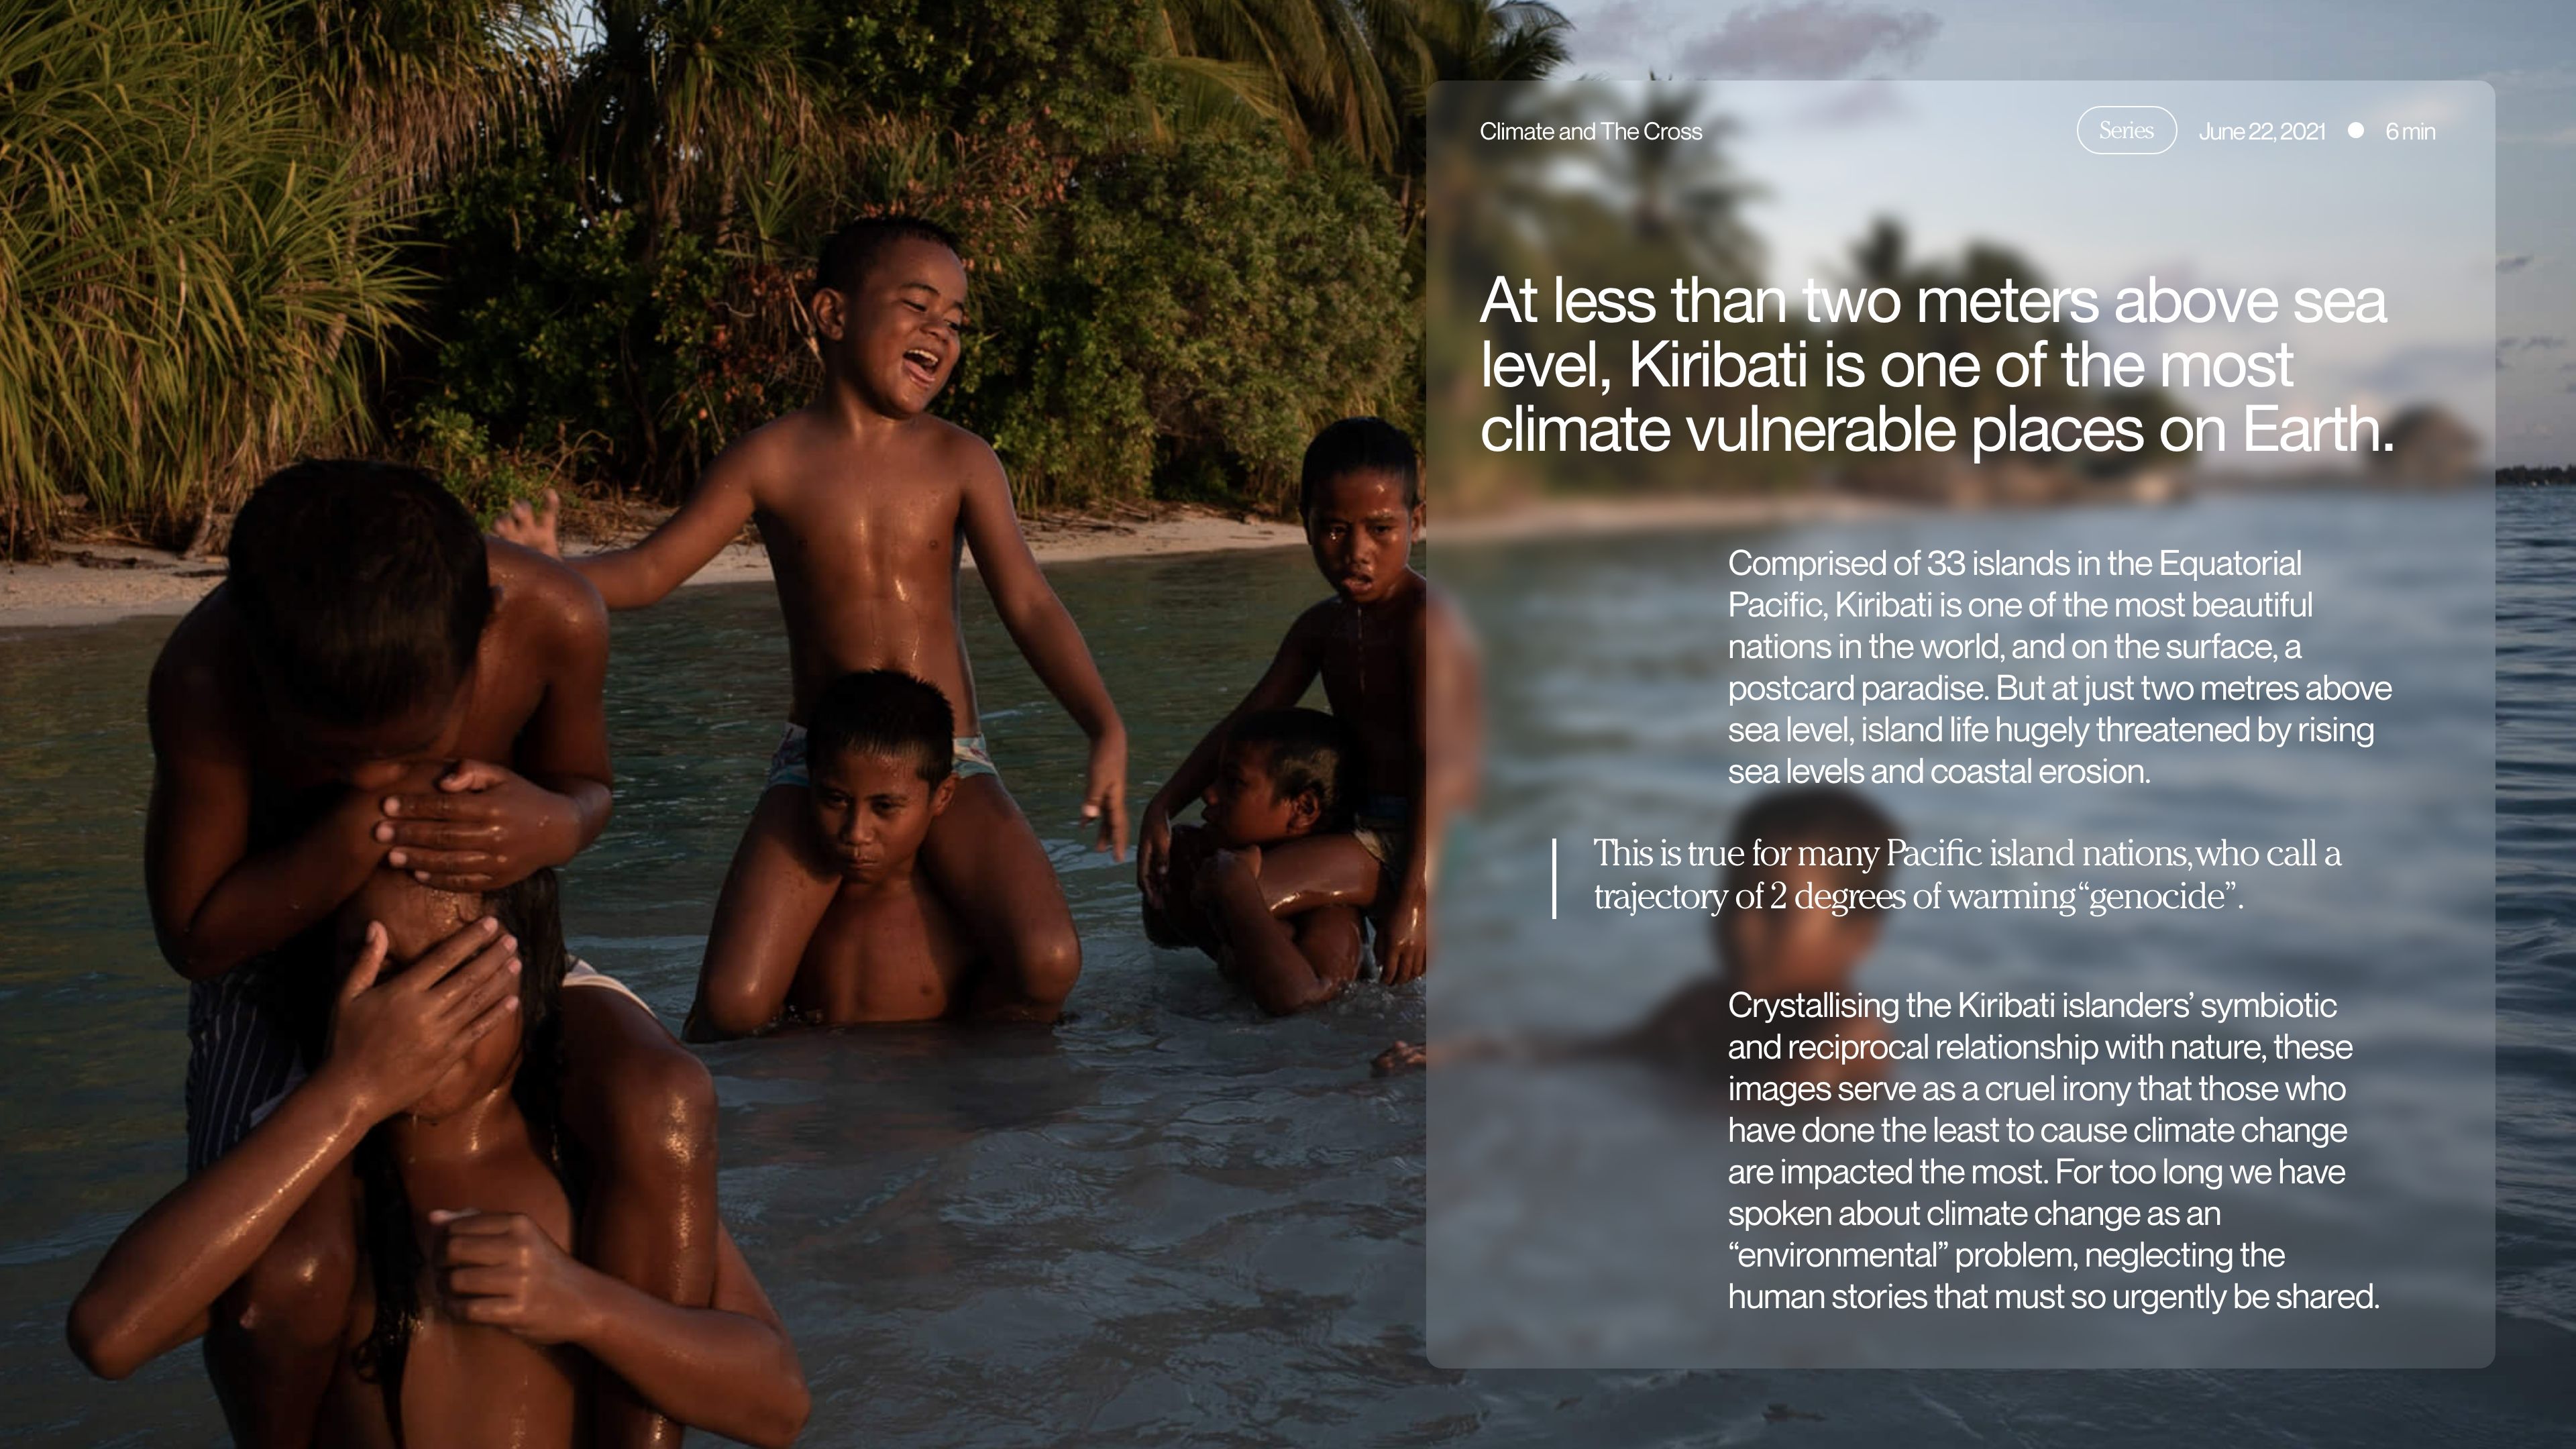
(2172, 133)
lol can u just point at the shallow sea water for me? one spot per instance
(1169, 1221)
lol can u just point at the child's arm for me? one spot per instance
(389, 1044)
(630, 578)
(215, 902)
(485, 825)
(1291, 670)
(728, 1369)
(1262, 948)
(1048, 638)
(1446, 685)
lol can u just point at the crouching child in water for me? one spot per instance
(1782, 969)
(877, 943)
(427, 1141)
(1284, 774)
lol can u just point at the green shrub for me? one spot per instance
(195, 282)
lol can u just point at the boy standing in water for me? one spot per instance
(376, 684)
(1383, 645)
(865, 501)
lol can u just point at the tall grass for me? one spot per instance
(195, 278)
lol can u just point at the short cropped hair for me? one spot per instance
(1831, 816)
(884, 712)
(362, 588)
(849, 254)
(1308, 750)
(1358, 445)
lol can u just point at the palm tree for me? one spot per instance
(677, 101)
(425, 86)
(1684, 195)
(1419, 43)
(1350, 73)
(1302, 66)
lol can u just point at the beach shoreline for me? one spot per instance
(100, 583)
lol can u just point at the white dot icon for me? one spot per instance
(2354, 130)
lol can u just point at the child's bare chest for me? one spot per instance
(467, 1384)
(855, 526)
(895, 957)
(1368, 682)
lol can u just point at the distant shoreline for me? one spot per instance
(96, 583)
(91, 584)
(101, 583)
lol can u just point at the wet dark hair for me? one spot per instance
(1309, 750)
(362, 588)
(849, 254)
(1358, 445)
(531, 911)
(1812, 815)
(884, 712)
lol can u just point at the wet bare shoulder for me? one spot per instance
(546, 606)
(1317, 625)
(953, 454)
(190, 689)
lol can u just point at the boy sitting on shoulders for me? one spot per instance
(1285, 774)
(867, 502)
(885, 947)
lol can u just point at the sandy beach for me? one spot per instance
(97, 583)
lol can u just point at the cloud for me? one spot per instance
(1616, 31)
(2527, 344)
(1811, 39)
(2506, 266)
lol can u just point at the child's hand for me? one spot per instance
(393, 1040)
(483, 828)
(1104, 794)
(1404, 1056)
(532, 527)
(1219, 868)
(1404, 942)
(1154, 852)
(502, 1270)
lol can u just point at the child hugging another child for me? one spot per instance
(375, 684)
(1285, 774)
(1384, 646)
(428, 1138)
(880, 769)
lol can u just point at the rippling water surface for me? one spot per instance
(1169, 1221)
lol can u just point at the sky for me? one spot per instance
(2526, 50)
